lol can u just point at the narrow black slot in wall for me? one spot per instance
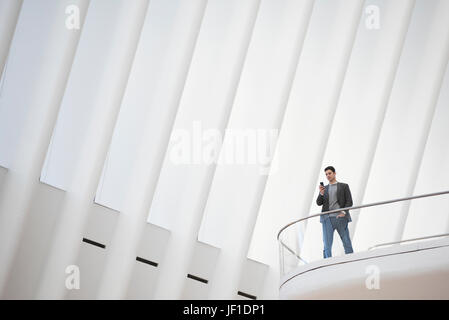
(94, 243)
(151, 263)
(246, 295)
(191, 276)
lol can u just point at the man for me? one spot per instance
(333, 196)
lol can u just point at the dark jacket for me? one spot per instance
(344, 199)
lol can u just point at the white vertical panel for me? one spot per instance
(162, 104)
(406, 125)
(153, 61)
(430, 216)
(92, 87)
(360, 111)
(39, 63)
(206, 103)
(86, 121)
(202, 264)
(236, 190)
(306, 126)
(23, 67)
(100, 225)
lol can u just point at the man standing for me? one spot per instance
(333, 196)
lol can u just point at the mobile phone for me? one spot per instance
(322, 184)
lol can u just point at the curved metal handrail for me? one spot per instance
(362, 206)
(408, 240)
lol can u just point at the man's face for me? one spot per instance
(330, 175)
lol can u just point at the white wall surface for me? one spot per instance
(101, 114)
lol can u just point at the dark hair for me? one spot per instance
(329, 168)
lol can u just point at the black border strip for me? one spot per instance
(246, 295)
(191, 276)
(102, 246)
(151, 263)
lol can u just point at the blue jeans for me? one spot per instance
(329, 225)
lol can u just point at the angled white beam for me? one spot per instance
(9, 13)
(406, 125)
(305, 129)
(41, 55)
(178, 22)
(258, 110)
(91, 101)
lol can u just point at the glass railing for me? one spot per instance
(389, 223)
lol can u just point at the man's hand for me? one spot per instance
(341, 215)
(321, 190)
